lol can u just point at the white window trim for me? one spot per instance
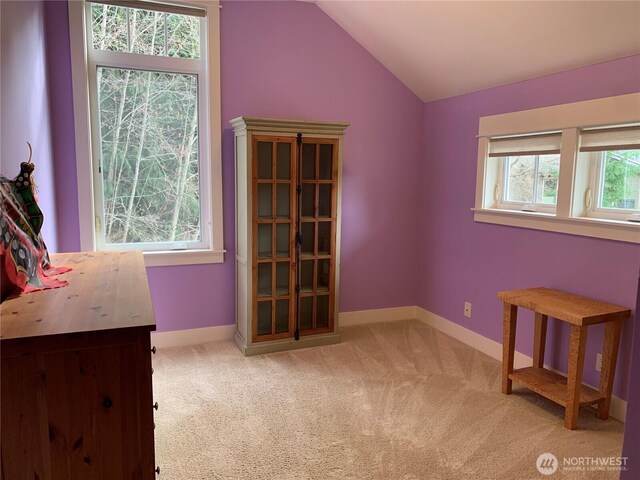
(84, 165)
(569, 118)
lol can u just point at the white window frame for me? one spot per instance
(571, 214)
(83, 62)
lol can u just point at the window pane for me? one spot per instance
(519, 178)
(265, 160)
(322, 311)
(149, 155)
(122, 29)
(547, 178)
(306, 313)
(146, 32)
(620, 183)
(264, 318)
(326, 154)
(183, 36)
(109, 26)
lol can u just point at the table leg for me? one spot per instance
(577, 344)
(509, 316)
(609, 359)
(540, 339)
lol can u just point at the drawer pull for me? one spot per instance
(153, 350)
(155, 405)
(157, 470)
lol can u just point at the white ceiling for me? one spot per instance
(440, 49)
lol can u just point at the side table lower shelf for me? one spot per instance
(552, 385)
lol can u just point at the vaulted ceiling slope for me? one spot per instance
(441, 49)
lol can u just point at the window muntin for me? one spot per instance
(148, 90)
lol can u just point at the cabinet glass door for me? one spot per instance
(319, 215)
(274, 231)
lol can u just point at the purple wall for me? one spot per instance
(632, 427)
(289, 60)
(62, 129)
(462, 260)
(24, 109)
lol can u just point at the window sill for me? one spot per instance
(183, 257)
(623, 231)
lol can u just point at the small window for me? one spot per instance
(527, 172)
(614, 185)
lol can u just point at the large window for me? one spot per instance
(571, 168)
(153, 108)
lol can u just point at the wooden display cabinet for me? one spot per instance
(288, 180)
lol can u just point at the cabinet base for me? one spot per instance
(286, 344)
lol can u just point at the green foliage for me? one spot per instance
(621, 183)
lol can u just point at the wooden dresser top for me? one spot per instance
(106, 291)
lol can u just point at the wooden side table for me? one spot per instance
(579, 312)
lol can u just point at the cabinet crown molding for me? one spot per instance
(287, 125)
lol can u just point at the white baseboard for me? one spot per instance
(193, 336)
(494, 350)
(362, 317)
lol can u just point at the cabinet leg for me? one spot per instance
(577, 344)
(609, 359)
(540, 339)
(509, 316)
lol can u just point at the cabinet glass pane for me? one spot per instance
(308, 199)
(264, 318)
(308, 161)
(324, 201)
(325, 167)
(265, 160)
(282, 316)
(283, 161)
(282, 278)
(264, 240)
(282, 200)
(324, 238)
(322, 311)
(264, 200)
(306, 313)
(282, 240)
(322, 284)
(306, 276)
(308, 238)
(264, 279)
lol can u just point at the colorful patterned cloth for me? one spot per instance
(25, 256)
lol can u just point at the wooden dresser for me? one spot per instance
(77, 400)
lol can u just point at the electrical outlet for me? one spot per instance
(467, 309)
(598, 362)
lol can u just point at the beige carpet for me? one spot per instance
(393, 401)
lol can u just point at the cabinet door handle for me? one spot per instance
(153, 350)
(155, 405)
(157, 470)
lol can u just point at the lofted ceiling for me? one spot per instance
(440, 49)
